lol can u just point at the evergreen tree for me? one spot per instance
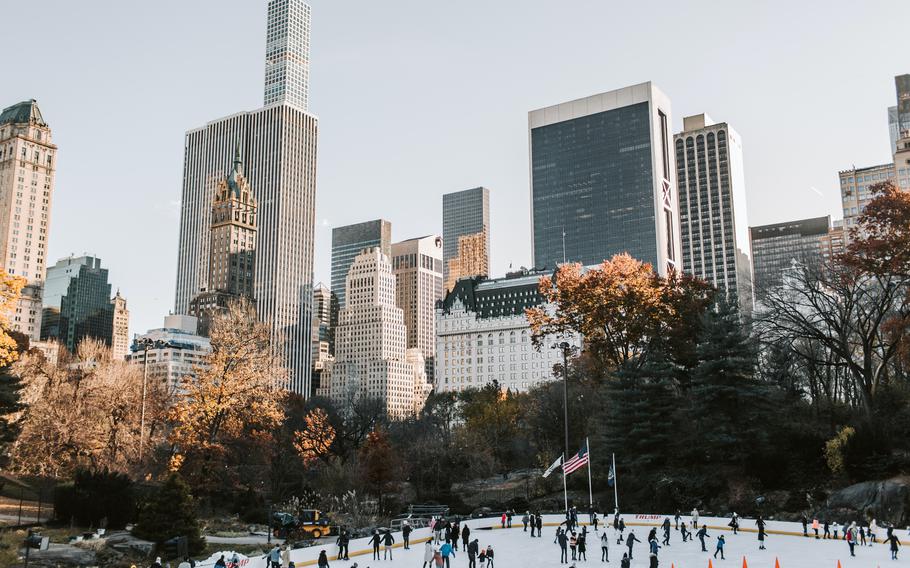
(731, 407)
(171, 512)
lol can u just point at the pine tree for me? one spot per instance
(170, 513)
(730, 405)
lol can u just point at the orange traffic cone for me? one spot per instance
(776, 562)
(744, 563)
(838, 564)
(709, 564)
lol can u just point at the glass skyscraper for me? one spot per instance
(465, 234)
(602, 180)
(77, 302)
(287, 53)
(776, 247)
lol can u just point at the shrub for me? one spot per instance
(96, 498)
(171, 512)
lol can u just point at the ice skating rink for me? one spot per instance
(514, 548)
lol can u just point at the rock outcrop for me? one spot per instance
(887, 501)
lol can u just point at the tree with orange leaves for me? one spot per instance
(622, 308)
(10, 288)
(316, 439)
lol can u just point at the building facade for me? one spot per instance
(322, 302)
(28, 160)
(602, 180)
(417, 265)
(372, 360)
(287, 53)
(232, 248)
(714, 229)
(278, 143)
(855, 189)
(120, 330)
(175, 353)
(465, 235)
(777, 246)
(78, 304)
(483, 336)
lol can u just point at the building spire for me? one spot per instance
(236, 171)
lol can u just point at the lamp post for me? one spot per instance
(146, 343)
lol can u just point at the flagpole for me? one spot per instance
(615, 484)
(565, 493)
(590, 490)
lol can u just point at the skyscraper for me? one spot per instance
(712, 207)
(465, 234)
(372, 360)
(232, 248)
(777, 246)
(278, 144)
(78, 303)
(27, 171)
(287, 53)
(417, 265)
(321, 354)
(120, 330)
(602, 179)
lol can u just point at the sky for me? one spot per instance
(417, 98)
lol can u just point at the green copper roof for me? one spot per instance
(25, 112)
(236, 172)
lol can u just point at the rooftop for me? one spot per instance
(26, 112)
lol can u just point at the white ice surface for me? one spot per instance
(515, 549)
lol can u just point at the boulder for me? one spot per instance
(887, 501)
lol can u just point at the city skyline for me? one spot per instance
(850, 124)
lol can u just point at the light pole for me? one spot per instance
(146, 343)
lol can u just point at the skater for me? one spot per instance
(437, 531)
(533, 522)
(815, 527)
(652, 535)
(604, 547)
(827, 530)
(630, 542)
(594, 521)
(482, 557)
(489, 556)
(720, 547)
(652, 555)
(702, 535)
(456, 532)
(862, 534)
(684, 531)
(274, 557)
(472, 554)
(539, 525)
(503, 520)
(835, 528)
(761, 536)
(626, 562)
(734, 523)
(563, 542)
(573, 544)
(465, 536)
(873, 529)
(323, 561)
(894, 545)
(375, 540)
(622, 529)
(666, 540)
(446, 550)
(342, 543)
(850, 535)
(805, 525)
(428, 554)
(582, 547)
(388, 540)
(694, 517)
(405, 535)
(524, 521)
(676, 520)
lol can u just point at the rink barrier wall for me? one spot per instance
(639, 523)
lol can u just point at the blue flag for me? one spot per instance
(611, 478)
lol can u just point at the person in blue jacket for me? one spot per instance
(446, 550)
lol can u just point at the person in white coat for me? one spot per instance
(428, 554)
(873, 529)
(694, 517)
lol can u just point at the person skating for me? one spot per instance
(437, 531)
(539, 525)
(862, 535)
(582, 547)
(850, 535)
(502, 520)
(815, 527)
(622, 529)
(524, 521)
(482, 557)
(533, 522)
(686, 535)
(720, 547)
(630, 542)
(274, 557)
(509, 514)
(220, 563)
(342, 543)
(873, 532)
(472, 553)
(666, 540)
(604, 547)
(626, 562)
(834, 528)
(428, 553)
(676, 519)
(734, 523)
(438, 562)
(652, 535)
(323, 561)
(375, 540)
(405, 535)
(827, 530)
(694, 517)
(563, 544)
(895, 544)
(388, 540)
(594, 521)
(465, 536)
(456, 532)
(761, 536)
(805, 525)
(702, 535)
(652, 553)
(489, 556)
(446, 550)
(573, 544)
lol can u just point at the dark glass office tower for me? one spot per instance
(465, 235)
(79, 304)
(601, 171)
(776, 247)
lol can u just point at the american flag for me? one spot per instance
(578, 461)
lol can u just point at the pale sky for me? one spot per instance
(417, 98)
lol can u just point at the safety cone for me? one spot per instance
(709, 564)
(838, 564)
(776, 562)
(744, 563)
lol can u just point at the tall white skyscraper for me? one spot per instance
(287, 53)
(712, 207)
(278, 143)
(417, 264)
